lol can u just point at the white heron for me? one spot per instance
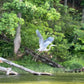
(43, 44)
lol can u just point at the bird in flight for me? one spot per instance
(43, 44)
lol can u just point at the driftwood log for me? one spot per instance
(23, 68)
(8, 71)
(44, 59)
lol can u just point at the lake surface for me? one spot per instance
(58, 78)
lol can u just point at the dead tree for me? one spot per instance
(17, 40)
(44, 59)
(8, 71)
(23, 68)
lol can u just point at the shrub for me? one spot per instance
(75, 66)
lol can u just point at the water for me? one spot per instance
(58, 78)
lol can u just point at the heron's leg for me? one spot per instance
(36, 56)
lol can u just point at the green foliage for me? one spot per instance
(44, 11)
(72, 65)
(75, 66)
(30, 31)
(75, 62)
(53, 15)
(61, 53)
(8, 23)
(6, 49)
(82, 2)
(79, 41)
(49, 17)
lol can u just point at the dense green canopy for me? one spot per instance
(51, 18)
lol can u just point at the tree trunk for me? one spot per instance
(8, 71)
(73, 4)
(23, 68)
(17, 40)
(83, 15)
(65, 2)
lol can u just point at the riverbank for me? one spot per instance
(38, 66)
(33, 65)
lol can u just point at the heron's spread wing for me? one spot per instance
(38, 34)
(48, 41)
(40, 38)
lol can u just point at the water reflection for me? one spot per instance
(58, 78)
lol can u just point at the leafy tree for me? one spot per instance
(48, 16)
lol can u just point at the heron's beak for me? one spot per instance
(53, 45)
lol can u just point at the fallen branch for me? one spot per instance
(23, 68)
(8, 71)
(44, 59)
